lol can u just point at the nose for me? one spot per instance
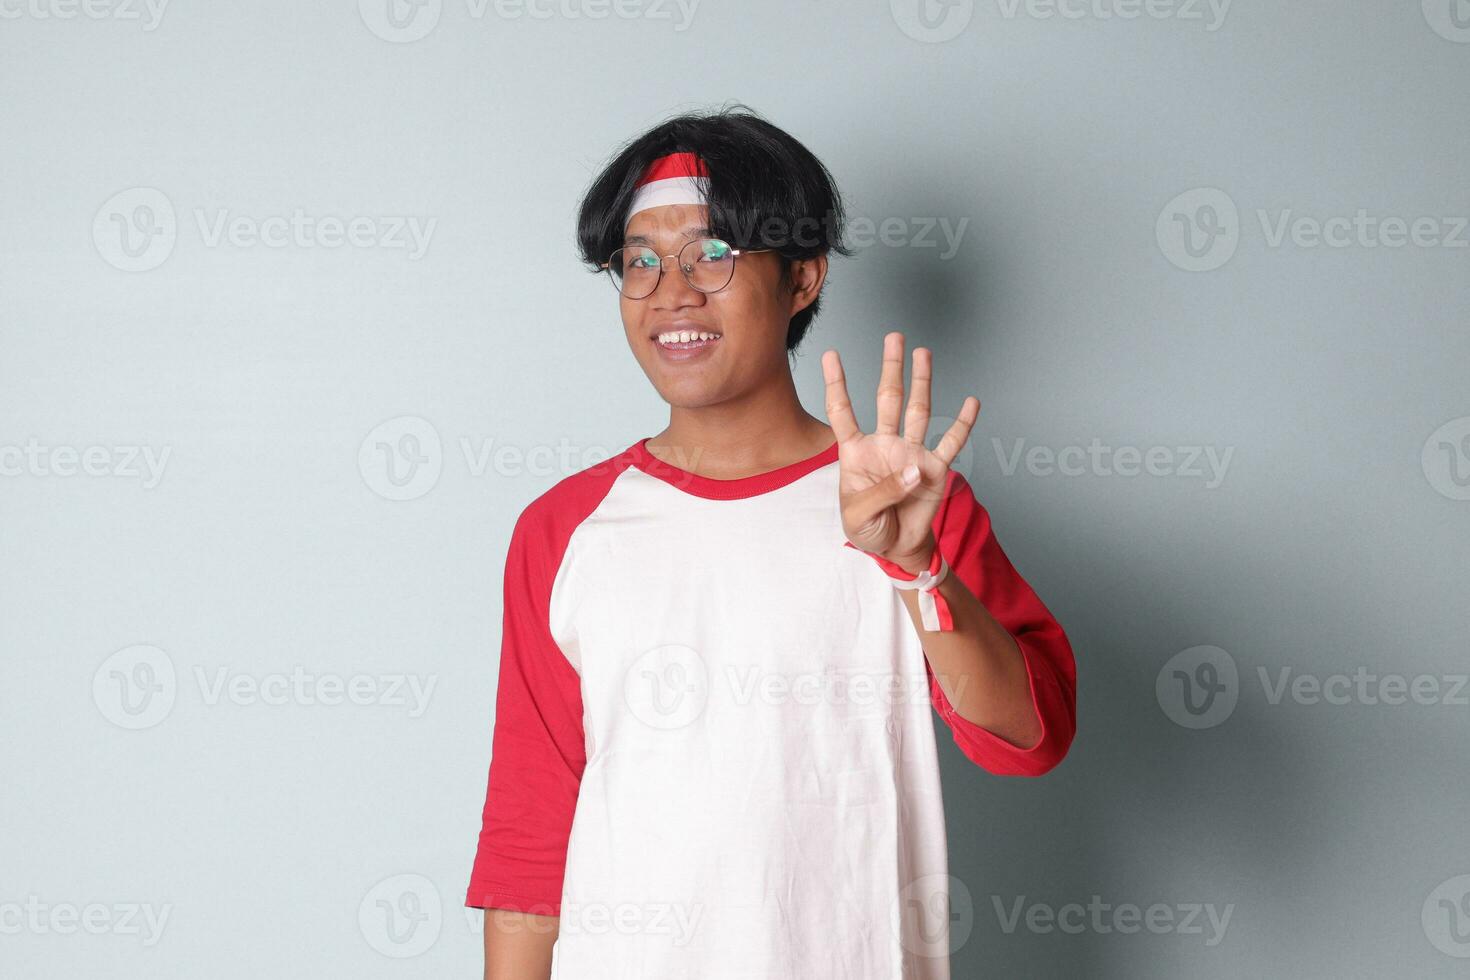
(673, 291)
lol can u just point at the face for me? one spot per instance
(747, 320)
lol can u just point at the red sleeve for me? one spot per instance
(538, 750)
(962, 528)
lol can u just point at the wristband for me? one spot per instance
(933, 609)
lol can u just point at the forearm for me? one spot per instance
(978, 665)
(518, 945)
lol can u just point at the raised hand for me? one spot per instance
(890, 485)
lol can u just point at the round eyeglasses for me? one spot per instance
(708, 264)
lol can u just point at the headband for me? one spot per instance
(678, 178)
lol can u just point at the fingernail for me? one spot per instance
(910, 475)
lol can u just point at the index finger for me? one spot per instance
(839, 406)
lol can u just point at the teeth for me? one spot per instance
(685, 336)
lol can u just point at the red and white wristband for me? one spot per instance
(933, 609)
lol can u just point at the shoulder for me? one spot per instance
(555, 513)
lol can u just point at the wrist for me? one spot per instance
(919, 559)
(924, 577)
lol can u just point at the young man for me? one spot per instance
(713, 755)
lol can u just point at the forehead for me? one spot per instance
(668, 224)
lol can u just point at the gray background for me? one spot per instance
(276, 835)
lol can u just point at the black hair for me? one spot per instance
(766, 190)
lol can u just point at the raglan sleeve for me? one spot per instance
(538, 750)
(968, 544)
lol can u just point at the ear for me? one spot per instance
(806, 277)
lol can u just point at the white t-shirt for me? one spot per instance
(713, 755)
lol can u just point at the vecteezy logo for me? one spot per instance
(932, 21)
(936, 915)
(667, 687)
(400, 21)
(1199, 230)
(1446, 459)
(402, 458)
(401, 916)
(1446, 917)
(135, 688)
(135, 230)
(1198, 687)
(1450, 19)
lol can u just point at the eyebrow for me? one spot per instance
(693, 232)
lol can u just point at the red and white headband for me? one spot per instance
(678, 178)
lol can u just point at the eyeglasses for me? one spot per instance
(708, 264)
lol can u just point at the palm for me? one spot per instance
(869, 460)
(875, 518)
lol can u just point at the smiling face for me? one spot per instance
(747, 320)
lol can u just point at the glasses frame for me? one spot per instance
(735, 253)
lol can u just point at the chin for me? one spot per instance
(690, 393)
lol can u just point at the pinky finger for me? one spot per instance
(958, 434)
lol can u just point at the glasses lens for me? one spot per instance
(635, 270)
(708, 264)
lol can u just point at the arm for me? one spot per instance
(1003, 678)
(979, 666)
(538, 754)
(518, 945)
(991, 647)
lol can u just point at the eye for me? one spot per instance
(713, 250)
(642, 260)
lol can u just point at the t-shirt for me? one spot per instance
(713, 756)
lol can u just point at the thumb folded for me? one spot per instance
(885, 493)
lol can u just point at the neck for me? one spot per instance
(761, 431)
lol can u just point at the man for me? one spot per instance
(713, 755)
